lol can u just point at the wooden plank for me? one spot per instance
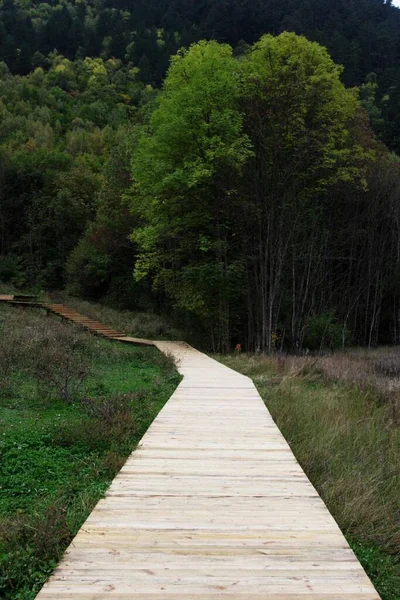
(212, 504)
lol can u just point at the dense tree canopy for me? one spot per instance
(232, 182)
(361, 35)
(57, 127)
(185, 173)
(250, 197)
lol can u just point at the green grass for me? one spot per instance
(347, 439)
(58, 457)
(383, 569)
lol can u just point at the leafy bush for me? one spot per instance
(110, 410)
(9, 268)
(88, 270)
(54, 354)
(322, 332)
(62, 366)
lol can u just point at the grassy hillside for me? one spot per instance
(340, 415)
(137, 323)
(72, 408)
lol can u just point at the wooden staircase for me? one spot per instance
(65, 313)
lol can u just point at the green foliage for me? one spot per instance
(9, 268)
(368, 100)
(384, 570)
(322, 332)
(183, 173)
(196, 127)
(363, 36)
(57, 128)
(252, 171)
(236, 158)
(102, 262)
(88, 269)
(305, 126)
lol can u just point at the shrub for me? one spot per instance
(56, 355)
(322, 332)
(31, 544)
(88, 270)
(62, 367)
(9, 268)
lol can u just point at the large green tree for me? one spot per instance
(185, 170)
(230, 179)
(298, 116)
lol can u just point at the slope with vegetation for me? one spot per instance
(63, 130)
(362, 35)
(72, 408)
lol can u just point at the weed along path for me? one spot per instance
(212, 504)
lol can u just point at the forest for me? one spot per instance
(232, 164)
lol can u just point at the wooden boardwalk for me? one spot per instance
(211, 505)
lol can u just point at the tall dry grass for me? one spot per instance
(55, 355)
(340, 414)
